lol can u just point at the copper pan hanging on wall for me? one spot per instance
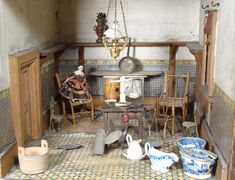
(127, 64)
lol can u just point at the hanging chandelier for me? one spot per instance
(113, 38)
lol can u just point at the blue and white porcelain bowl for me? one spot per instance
(191, 143)
(198, 163)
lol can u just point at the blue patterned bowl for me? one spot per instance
(191, 143)
(198, 163)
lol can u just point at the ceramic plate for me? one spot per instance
(110, 101)
(133, 158)
(112, 137)
(119, 104)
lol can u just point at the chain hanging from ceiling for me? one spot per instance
(113, 39)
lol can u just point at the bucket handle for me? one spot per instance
(21, 151)
(44, 144)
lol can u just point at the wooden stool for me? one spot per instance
(187, 125)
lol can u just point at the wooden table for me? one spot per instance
(112, 115)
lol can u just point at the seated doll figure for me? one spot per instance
(75, 87)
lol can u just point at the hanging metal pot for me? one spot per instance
(127, 64)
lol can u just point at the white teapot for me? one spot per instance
(134, 151)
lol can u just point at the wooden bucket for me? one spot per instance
(112, 90)
(34, 160)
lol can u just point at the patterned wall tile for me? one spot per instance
(153, 85)
(221, 126)
(229, 102)
(7, 135)
(47, 82)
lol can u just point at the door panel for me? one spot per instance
(25, 99)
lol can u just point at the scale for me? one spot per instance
(130, 87)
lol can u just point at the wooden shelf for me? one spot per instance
(194, 47)
(134, 44)
(118, 73)
(52, 49)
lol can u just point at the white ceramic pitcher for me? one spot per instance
(134, 151)
(160, 161)
(134, 148)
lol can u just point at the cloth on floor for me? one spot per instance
(69, 146)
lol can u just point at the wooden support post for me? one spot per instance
(197, 51)
(212, 55)
(171, 69)
(198, 58)
(81, 55)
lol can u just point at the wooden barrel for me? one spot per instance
(112, 90)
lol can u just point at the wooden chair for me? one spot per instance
(55, 120)
(58, 81)
(175, 89)
(166, 114)
(74, 104)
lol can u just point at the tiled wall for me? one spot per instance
(7, 135)
(153, 85)
(222, 121)
(47, 82)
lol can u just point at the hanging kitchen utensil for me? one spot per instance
(134, 90)
(127, 64)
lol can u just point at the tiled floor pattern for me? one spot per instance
(80, 164)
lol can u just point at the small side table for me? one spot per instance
(113, 113)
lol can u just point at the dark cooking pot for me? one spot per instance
(127, 64)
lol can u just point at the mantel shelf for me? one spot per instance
(52, 49)
(134, 44)
(118, 73)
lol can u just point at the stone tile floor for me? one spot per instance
(81, 164)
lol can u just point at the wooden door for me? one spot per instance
(25, 96)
